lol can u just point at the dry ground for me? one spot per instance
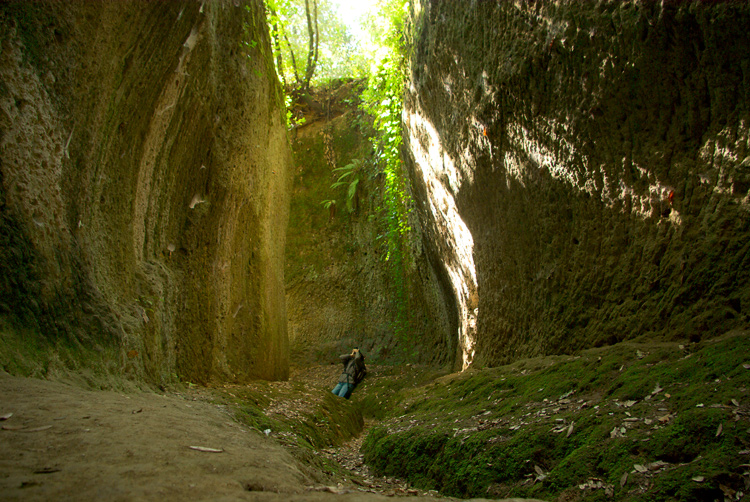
(63, 442)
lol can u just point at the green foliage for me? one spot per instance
(339, 55)
(383, 100)
(348, 177)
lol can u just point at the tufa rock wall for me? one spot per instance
(582, 169)
(341, 291)
(145, 184)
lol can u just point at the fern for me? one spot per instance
(349, 177)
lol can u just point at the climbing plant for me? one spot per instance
(383, 100)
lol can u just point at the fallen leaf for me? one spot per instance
(667, 395)
(38, 429)
(746, 366)
(624, 479)
(734, 402)
(640, 468)
(657, 389)
(570, 431)
(8, 415)
(719, 430)
(628, 404)
(699, 405)
(46, 470)
(206, 449)
(539, 470)
(12, 427)
(699, 479)
(728, 492)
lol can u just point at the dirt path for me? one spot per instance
(350, 457)
(65, 443)
(317, 380)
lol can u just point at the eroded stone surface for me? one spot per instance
(581, 170)
(145, 184)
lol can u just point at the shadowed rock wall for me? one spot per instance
(145, 184)
(582, 169)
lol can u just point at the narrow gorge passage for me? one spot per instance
(532, 218)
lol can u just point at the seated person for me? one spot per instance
(354, 372)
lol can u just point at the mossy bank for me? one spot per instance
(636, 421)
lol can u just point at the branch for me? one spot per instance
(277, 44)
(317, 39)
(294, 62)
(312, 46)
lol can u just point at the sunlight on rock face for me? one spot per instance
(442, 179)
(528, 149)
(720, 155)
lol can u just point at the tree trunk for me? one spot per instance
(294, 61)
(312, 52)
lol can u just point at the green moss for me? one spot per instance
(25, 352)
(573, 419)
(379, 398)
(329, 422)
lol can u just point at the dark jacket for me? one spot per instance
(354, 368)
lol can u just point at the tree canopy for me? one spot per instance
(311, 43)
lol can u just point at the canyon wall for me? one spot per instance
(145, 184)
(343, 289)
(581, 169)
